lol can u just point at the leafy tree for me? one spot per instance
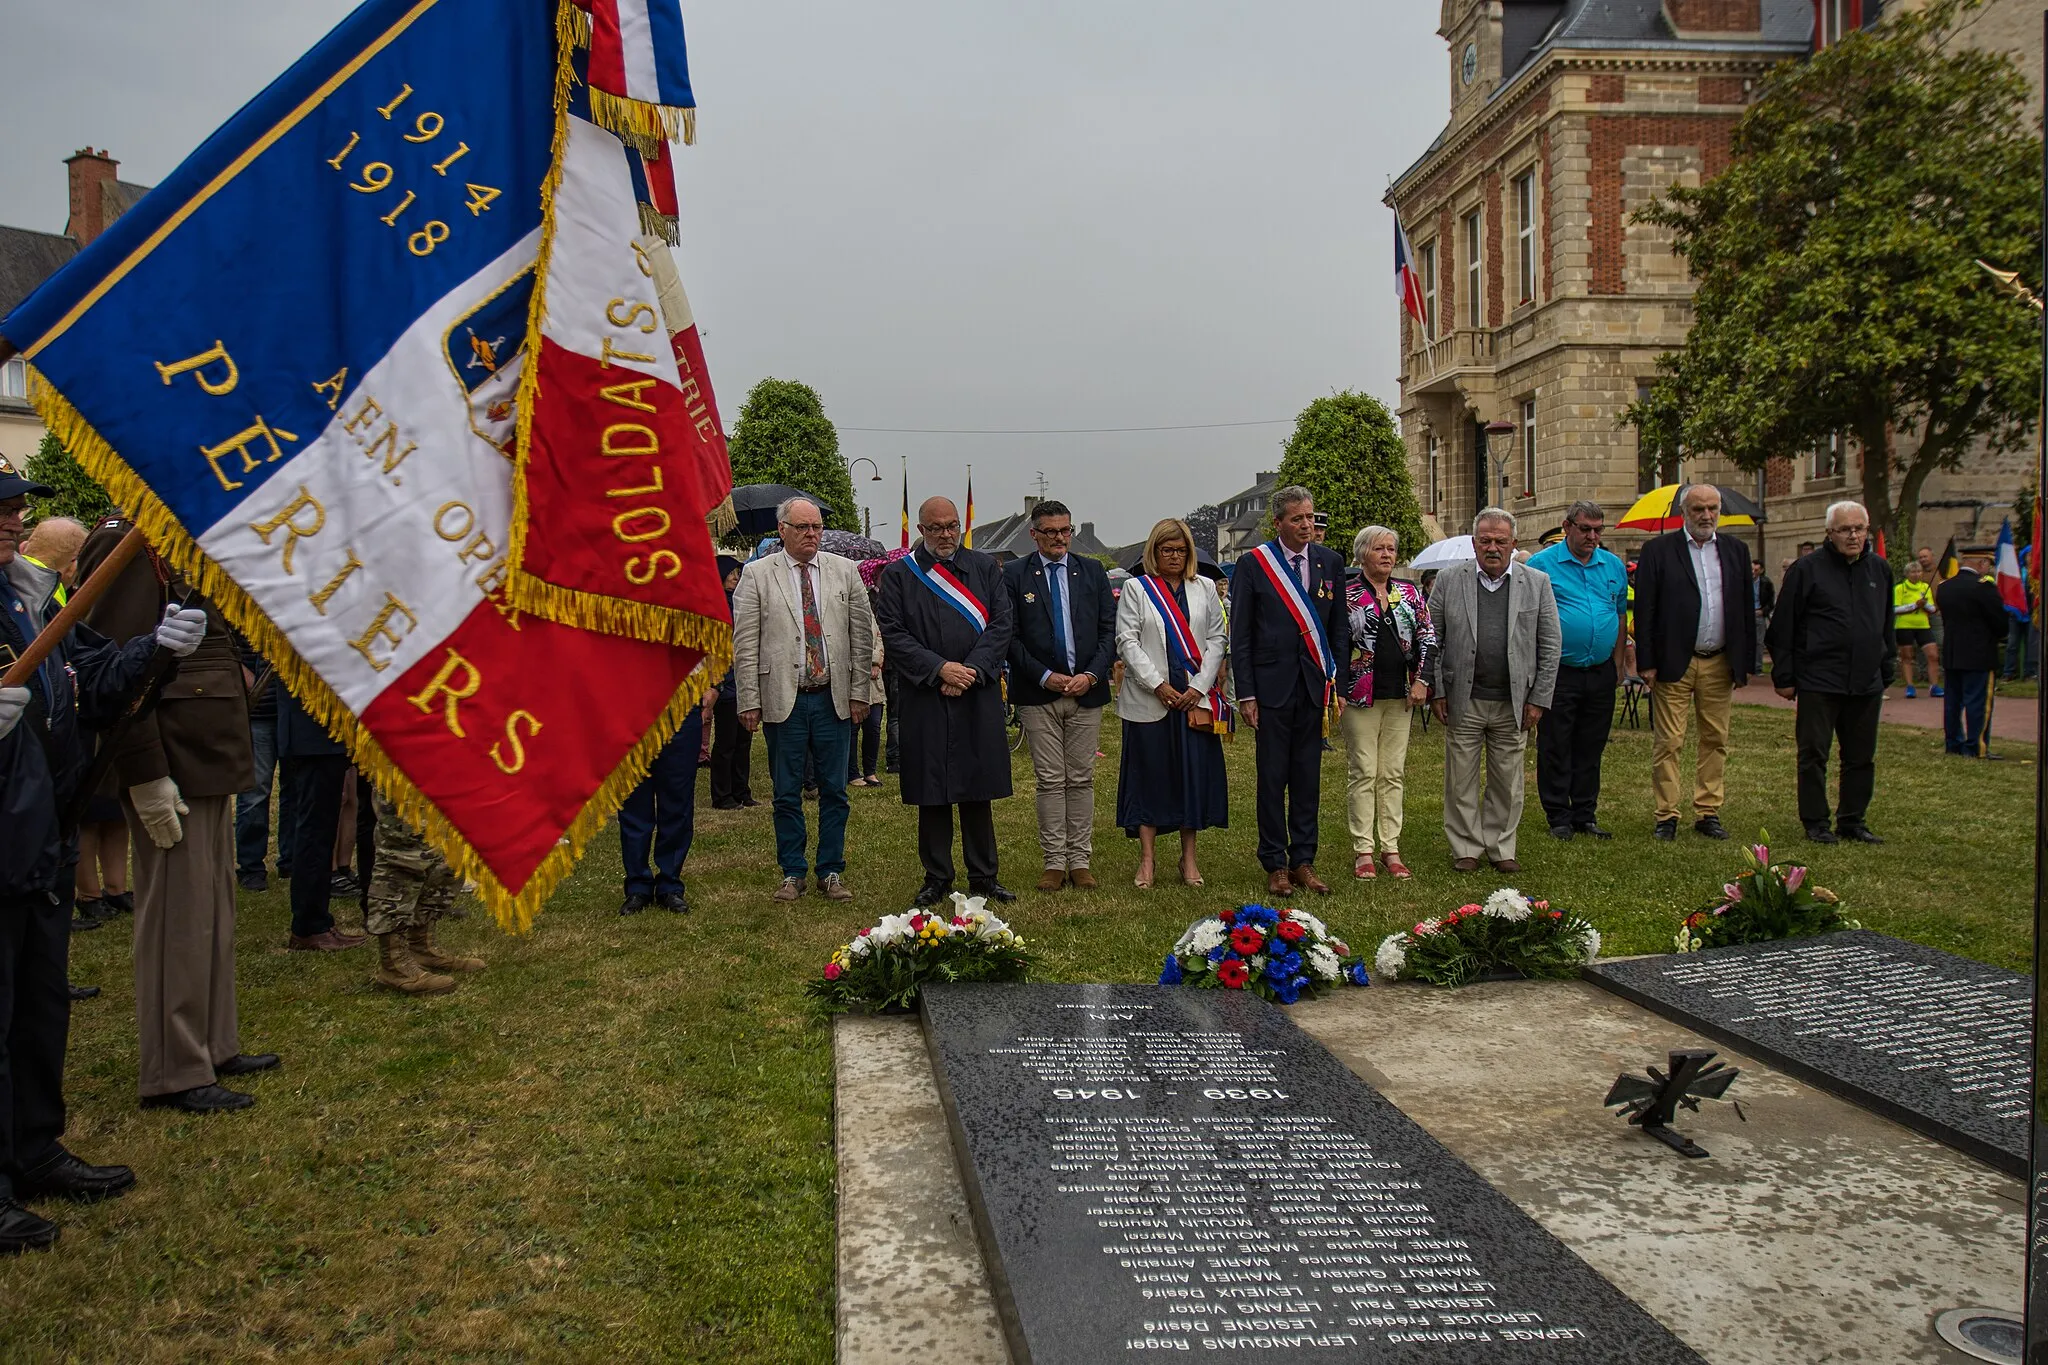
(1836, 267)
(77, 495)
(1203, 522)
(1346, 451)
(783, 436)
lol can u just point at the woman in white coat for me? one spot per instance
(1170, 635)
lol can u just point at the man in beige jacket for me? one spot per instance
(803, 639)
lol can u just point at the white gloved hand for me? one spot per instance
(181, 632)
(13, 701)
(158, 806)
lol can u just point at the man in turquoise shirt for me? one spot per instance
(1591, 585)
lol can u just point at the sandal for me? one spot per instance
(1363, 869)
(1186, 880)
(1395, 867)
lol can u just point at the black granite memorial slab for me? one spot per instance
(1928, 1039)
(1158, 1171)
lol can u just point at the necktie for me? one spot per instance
(1053, 571)
(1301, 572)
(814, 632)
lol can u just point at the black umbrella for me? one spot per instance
(1205, 565)
(755, 503)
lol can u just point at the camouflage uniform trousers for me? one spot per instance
(412, 885)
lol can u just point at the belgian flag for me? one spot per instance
(1949, 564)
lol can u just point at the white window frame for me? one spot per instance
(1436, 446)
(1529, 446)
(1834, 21)
(14, 379)
(1425, 259)
(1475, 280)
(1525, 233)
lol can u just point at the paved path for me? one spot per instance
(2015, 718)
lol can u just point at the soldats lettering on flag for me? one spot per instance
(296, 361)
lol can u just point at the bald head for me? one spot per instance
(938, 521)
(55, 542)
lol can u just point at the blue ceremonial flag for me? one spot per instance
(297, 363)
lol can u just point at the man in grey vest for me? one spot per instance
(1491, 681)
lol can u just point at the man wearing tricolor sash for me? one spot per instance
(1288, 628)
(945, 620)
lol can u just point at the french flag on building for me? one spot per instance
(305, 364)
(2012, 586)
(1407, 284)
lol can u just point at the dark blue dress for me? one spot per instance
(1171, 777)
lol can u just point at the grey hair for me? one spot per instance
(1290, 496)
(1685, 498)
(1829, 520)
(1584, 507)
(782, 508)
(1369, 537)
(1494, 514)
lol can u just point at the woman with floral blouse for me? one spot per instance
(1391, 640)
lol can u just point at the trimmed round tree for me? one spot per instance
(1346, 451)
(783, 436)
(77, 496)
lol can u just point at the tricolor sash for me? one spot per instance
(946, 585)
(1180, 638)
(1295, 595)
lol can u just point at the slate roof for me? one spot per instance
(1531, 28)
(118, 196)
(26, 260)
(1010, 537)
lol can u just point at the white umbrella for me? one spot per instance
(1449, 550)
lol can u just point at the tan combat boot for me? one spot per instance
(420, 940)
(400, 973)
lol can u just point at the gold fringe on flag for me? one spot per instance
(655, 223)
(514, 910)
(551, 601)
(722, 520)
(638, 123)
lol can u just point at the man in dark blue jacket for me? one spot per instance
(1060, 655)
(1289, 626)
(87, 680)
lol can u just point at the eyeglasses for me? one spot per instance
(1166, 550)
(804, 528)
(1585, 530)
(1054, 533)
(939, 528)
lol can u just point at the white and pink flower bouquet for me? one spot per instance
(1765, 901)
(885, 966)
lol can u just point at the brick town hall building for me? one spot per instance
(1548, 307)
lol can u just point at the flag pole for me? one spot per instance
(23, 668)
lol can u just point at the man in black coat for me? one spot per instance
(945, 621)
(1973, 617)
(1060, 655)
(86, 680)
(1283, 670)
(1833, 648)
(1695, 644)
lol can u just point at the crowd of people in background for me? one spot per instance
(916, 665)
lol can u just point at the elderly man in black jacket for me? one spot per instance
(1832, 647)
(1973, 617)
(43, 757)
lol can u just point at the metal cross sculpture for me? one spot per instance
(1651, 1104)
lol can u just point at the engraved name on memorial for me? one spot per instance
(1934, 1041)
(1160, 1171)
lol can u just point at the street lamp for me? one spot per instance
(867, 513)
(1500, 440)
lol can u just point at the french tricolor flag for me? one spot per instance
(2012, 587)
(1407, 284)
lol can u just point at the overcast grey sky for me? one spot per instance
(938, 213)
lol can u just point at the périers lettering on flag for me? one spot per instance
(291, 362)
(610, 452)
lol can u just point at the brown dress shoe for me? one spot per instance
(1277, 883)
(1052, 879)
(330, 941)
(1082, 878)
(1465, 865)
(1507, 865)
(1305, 877)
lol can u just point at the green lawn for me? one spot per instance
(616, 1143)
